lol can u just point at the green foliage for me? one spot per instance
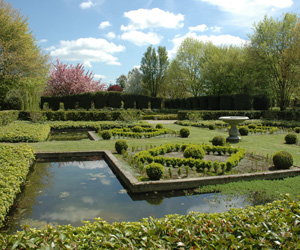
(219, 141)
(15, 162)
(184, 132)
(121, 146)
(20, 131)
(155, 171)
(272, 226)
(159, 126)
(14, 100)
(243, 130)
(194, 151)
(139, 132)
(283, 160)
(291, 138)
(106, 134)
(7, 117)
(297, 130)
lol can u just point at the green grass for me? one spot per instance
(259, 144)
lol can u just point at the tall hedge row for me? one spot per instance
(102, 99)
(223, 102)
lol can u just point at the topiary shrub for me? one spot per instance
(121, 146)
(219, 141)
(106, 135)
(194, 151)
(290, 138)
(297, 130)
(184, 132)
(244, 130)
(155, 171)
(159, 126)
(211, 127)
(252, 126)
(137, 129)
(283, 160)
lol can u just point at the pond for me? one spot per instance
(70, 135)
(67, 192)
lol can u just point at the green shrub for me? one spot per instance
(212, 127)
(155, 171)
(159, 126)
(106, 135)
(184, 132)
(283, 160)
(219, 141)
(194, 151)
(252, 126)
(244, 130)
(137, 129)
(297, 130)
(290, 138)
(121, 146)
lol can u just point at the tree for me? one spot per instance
(154, 66)
(115, 87)
(23, 66)
(275, 46)
(122, 80)
(69, 80)
(134, 82)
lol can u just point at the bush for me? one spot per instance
(159, 126)
(155, 171)
(194, 151)
(297, 130)
(106, 135)
(219, 141)
(252, 126)
(137, 129)
(121, 146)
(244, 130)
(290, 138)
(184, 132)
(212, 127)
(283, 160)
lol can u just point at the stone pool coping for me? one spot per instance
(136, 186)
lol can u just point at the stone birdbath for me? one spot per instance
(233, 121)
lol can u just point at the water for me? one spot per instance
(71, 135)
(67, 192)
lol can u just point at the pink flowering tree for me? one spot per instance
(115, 87)
(71, 80)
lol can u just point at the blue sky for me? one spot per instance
(111, 36)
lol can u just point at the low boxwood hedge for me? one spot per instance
(20, 131)
(15, 161)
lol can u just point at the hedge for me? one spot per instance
(7, 117)
(144, 133)
(20, 131)
(15, 161)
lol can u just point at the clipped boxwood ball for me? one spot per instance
(283, 160)
(184, 132)
(159, 126)
(137, 129)
(194, 151)
(155, 171)
(106, 135)
(297, 130)
(219, 141)
(244, 130)
(121, 145)
(290, 138)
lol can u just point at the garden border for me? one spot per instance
(136, 186)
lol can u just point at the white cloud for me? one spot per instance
(111, 35)
(215, 39)
(246, 12)
(87, 49)
(87, 64)
(43, 41)
(104, 25)
(97, 76)
(87, 5)
(200, 28)
(140, 38)
(154, 18)
(215, 29)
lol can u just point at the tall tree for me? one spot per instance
(134, 82)
(23, 66)
(271, 46)
(69, 80)
(153, 67)
(122, 80)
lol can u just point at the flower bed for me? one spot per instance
(15, 162)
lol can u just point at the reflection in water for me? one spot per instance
(68, 192)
